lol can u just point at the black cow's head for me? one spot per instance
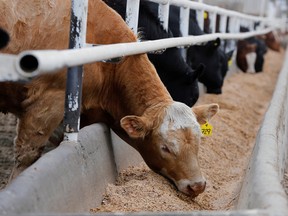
(215, 63)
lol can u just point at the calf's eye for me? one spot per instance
(165, 149)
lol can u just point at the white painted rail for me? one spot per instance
(52, 60)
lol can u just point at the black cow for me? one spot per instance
(178, 77)
(210, 54)
(4, 38)
(261, 50)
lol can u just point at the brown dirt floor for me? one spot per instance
(223, 156)
(7, 134)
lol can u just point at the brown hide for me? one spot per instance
(33, 21)
(129, 96)
(243, 48)
(272, 42)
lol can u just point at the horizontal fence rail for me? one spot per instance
(32, 63)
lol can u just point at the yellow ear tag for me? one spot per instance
(205, 16)
(206, 129)
(230, 62)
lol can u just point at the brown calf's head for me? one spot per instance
(170, 143)
(272, 41)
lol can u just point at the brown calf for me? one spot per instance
(272, 41)
(246, 56)
(129, 97)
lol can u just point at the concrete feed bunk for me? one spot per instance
(73, 177)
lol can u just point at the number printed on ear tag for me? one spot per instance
(206, 129)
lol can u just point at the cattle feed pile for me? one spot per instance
(223, 156)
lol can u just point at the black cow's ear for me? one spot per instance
(217, 42)
(213, 45)
(195, 73)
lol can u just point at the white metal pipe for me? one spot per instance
(132, 14)
(184, 27)
(251, 26)
(212, 16)
(160, 1)
(53, 60)
(231, 28)
(80, 9)
(184, 21)
(200, 19)
(237, 25)
(232, 22)
(223, 23)
(163, 14)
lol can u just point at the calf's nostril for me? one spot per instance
(198, 187)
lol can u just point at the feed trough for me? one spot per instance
(73, 177)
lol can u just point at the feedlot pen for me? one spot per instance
(73, 178)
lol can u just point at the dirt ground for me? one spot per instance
(223, 156)
(7, 134)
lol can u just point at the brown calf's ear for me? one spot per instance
(135, 126)
(205, 112)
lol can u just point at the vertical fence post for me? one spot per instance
(232, 29)
(184, 27)
(200, 19)
(163, 14)
(213, 22)
(251, 25)
(223, 29)
(73, 96)
(223, 23)
(132, 14)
